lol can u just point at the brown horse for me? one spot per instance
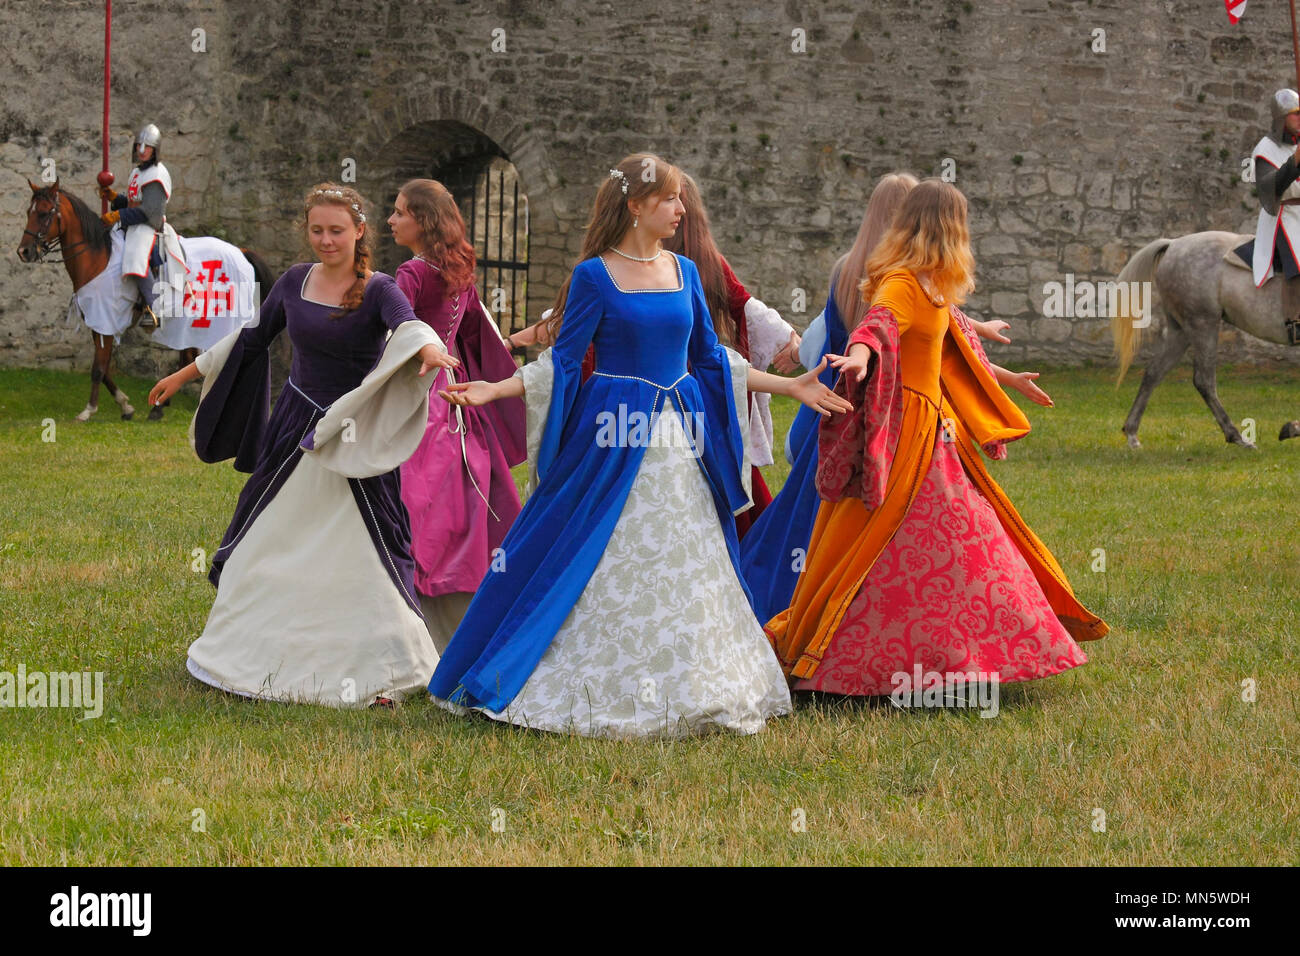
(58, 221)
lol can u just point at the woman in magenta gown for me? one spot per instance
(457, 486)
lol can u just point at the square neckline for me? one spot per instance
(302, 290)
(681, 279)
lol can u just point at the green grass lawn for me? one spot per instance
(1202, 561)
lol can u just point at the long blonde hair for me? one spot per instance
(929, 234)
(851, 268)
(645, 175)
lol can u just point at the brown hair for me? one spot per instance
(345, 197)
(929, 234)
(694, 240)
(645, 175)
(851, 268)
(442, 231)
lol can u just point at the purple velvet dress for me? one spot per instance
(457, 486)
(323, 605)
(330, 357)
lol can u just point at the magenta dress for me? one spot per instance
(457, 486)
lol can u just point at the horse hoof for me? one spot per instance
(127, 416)
(1289, 430)
(155, 414)
(1133, 442)
(85, 413)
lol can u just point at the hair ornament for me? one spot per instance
(618, 174)
(338, 194)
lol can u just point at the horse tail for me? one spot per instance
(1127, 336)
(262, 270)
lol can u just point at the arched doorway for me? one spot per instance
(487, 187)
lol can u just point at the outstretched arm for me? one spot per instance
(480, 393)
(806, 389)
(1023, 382)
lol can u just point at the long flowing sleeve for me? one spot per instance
(969, 385)
(379, 424)
(235, 400)
(583, 310)
(997, 449)
(856, 449)
(768, 334)
(720, 374)
(485, 357)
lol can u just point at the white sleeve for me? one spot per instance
(768, 333)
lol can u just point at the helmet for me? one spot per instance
(1282, 104)
(149, 135)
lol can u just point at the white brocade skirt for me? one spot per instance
(305, 611)
(663, 640)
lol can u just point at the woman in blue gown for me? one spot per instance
(615, 608)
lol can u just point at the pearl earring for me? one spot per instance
(635, 220)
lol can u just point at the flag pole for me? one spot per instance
(1295, 44)
(105, 177)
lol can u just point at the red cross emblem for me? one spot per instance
(213, 290)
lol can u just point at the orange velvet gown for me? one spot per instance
(930, 564)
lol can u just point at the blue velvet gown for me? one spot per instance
(772, 552)
(616, 608)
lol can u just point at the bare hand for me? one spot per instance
(469, 393)
(992, 329)
(1023, 382)
(855, 365)
(165, 389)
(787, 360)
(808, 390)
(431, 356)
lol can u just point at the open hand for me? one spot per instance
(469, 393)
(993, 329)
(808, 390)
(1023, 382)
(431, 356)
(855, 365)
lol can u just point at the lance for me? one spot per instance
(105, 178)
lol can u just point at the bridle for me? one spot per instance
(47, 246)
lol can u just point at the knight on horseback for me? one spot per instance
(142, 215)
(1277, 236)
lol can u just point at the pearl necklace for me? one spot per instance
(637, 258)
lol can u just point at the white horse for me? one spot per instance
(1198, 289)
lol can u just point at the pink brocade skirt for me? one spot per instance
(951, 594)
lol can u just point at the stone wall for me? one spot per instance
(1072, 158)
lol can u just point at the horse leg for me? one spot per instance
(1175, 345)
(1205, 348)
(98, 370)
(119, 396)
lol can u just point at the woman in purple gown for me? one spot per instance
(457, 486)
(315, 591)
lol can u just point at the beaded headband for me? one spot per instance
(618, 174)
(338, 193)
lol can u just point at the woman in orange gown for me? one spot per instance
(918, 560)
